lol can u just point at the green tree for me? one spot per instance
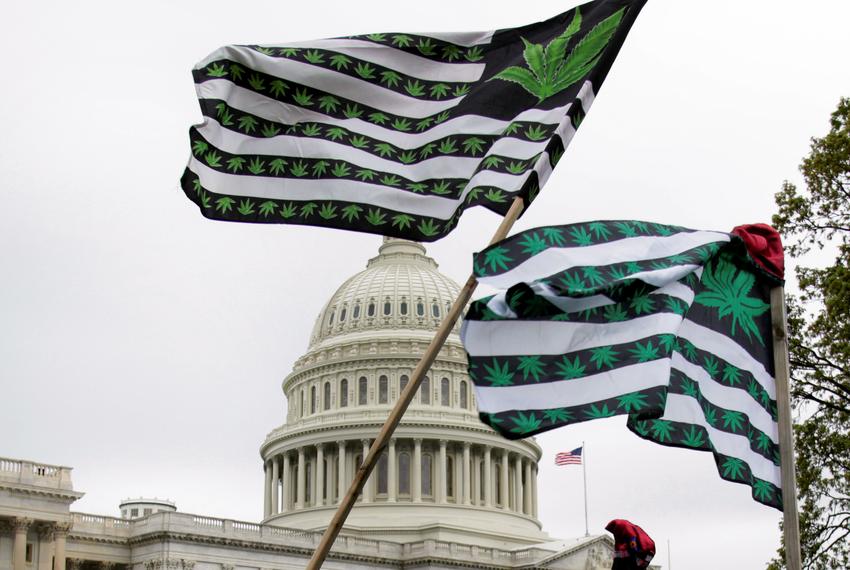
(819, 345)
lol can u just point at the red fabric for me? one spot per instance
(765, 247)
(633, 548)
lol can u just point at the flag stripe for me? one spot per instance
(496, 338)
(591, 388)
(397, 60)
(619, 251)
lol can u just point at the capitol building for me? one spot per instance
(447, 492)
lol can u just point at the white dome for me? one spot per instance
(399, 289)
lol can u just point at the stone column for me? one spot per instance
(274, 486)
(476, 479)
(285, 486)
(320, 475)
(488, 478)
(392, 479)
(302, 487)
(60, 534)
(441, 473)
(518, 483)
(367, 486)
(504, 482)
(466, 474)
(19, 548)
(340, 471)
(526, 489)
(534, 490)
(417, 471)
(267, 491)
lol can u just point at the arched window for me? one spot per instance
(343, 393)
(388, 307)
(427, 487)
(445, 393)
(331, 318)
(312, 399)
(362, 391)
(464, 398)
(448, 307)
(382, 474)
(342, 314)
(402, 308)
(303, 403)
(402, 382)
(327, 405)
(355, 314)
(435, 310)
(370, 309)
(404, 473)
(425, 391)
(498, 483)
(420, 308)
(383, 390)
(450, 477)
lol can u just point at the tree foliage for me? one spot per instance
(819, 345)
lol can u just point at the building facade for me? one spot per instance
(447, 491)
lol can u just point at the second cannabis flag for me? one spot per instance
(667, 325)
(396, 133)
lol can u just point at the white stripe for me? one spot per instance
(499, 305)
(557, 259)
(728, 398)
(403, 62)
(575, 392)
(330, 189)
(586, 96)
(676, 290)
(726, 348)
(687, 410)
(503, 338)
(659, 277)
(356, 89)
(273, 110)
(296, 145)
(317, 190)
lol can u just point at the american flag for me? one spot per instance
(569, 457)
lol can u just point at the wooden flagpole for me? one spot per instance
(791, 521)
(404, 400)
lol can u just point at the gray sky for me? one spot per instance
(145, 346)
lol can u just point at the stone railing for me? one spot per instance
(379, 414)
(35, 474)
(228, 529)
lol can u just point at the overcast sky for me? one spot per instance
(145, 345)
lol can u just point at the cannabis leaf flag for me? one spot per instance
(667, 325)
(396, 133)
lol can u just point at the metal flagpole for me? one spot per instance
(584, 476)
(669, 563)
(791, 521)
(404, 400)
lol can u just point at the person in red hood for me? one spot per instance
(633, 548)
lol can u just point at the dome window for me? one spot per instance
(342, 314)
(425, 391)
(435, 310)
(403, 473)
(327, 402)
(313, 400)
(445, 394)
(427, 488)
(464, 398)
(383, 390)
(355, 314)
(331, 318)
(388, 307)
(383, 464)
(448, 307)
(362, 391)
(450, 477)
(343, 393)
(402, 383)
(420, 308)
(402, 308)
(370, 310)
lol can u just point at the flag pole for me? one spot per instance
(584, 477)
(404, 400)
(791, 521)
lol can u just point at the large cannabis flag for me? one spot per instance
(668, 325)
(396, 133)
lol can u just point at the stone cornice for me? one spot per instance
(65, 494)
